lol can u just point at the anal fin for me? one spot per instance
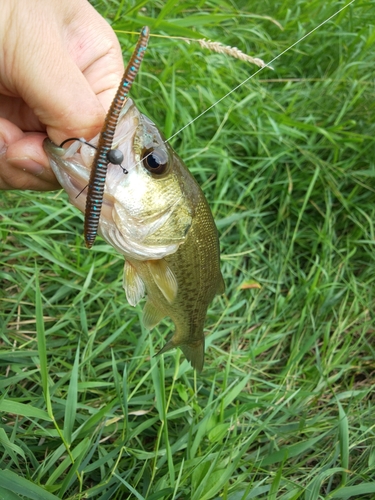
(164, 278)
(151, 316)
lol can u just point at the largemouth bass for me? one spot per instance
(156, 216)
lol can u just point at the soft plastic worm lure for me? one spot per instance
(105, 154)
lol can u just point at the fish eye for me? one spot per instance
(155, 160)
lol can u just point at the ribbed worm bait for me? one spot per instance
(104, 152)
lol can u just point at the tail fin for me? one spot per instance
(193, 353)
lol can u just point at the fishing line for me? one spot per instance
(258, 71)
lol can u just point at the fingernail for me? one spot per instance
(27, 165)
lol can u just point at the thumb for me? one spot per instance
(49, 80)
(55, 89)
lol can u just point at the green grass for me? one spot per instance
(284, 408)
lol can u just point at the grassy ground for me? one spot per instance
(284, 408)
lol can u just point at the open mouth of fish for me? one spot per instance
(72, 166)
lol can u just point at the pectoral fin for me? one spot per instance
(151, 316)
(133, 284)
(164, 278)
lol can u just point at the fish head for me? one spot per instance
(147, 211)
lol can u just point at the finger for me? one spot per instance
(9, 133)
(16, 111)
(23, 163)
(99, 56)
(26, 173)
(48, 79)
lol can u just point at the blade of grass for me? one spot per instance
(19, 485)
(71, 401)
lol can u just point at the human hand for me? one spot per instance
(60, 65)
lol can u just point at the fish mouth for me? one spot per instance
(73, 177)
(72, 165)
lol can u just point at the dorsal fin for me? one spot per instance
(221, 286)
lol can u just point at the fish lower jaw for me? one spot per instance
(76, 190)
(76, 187)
